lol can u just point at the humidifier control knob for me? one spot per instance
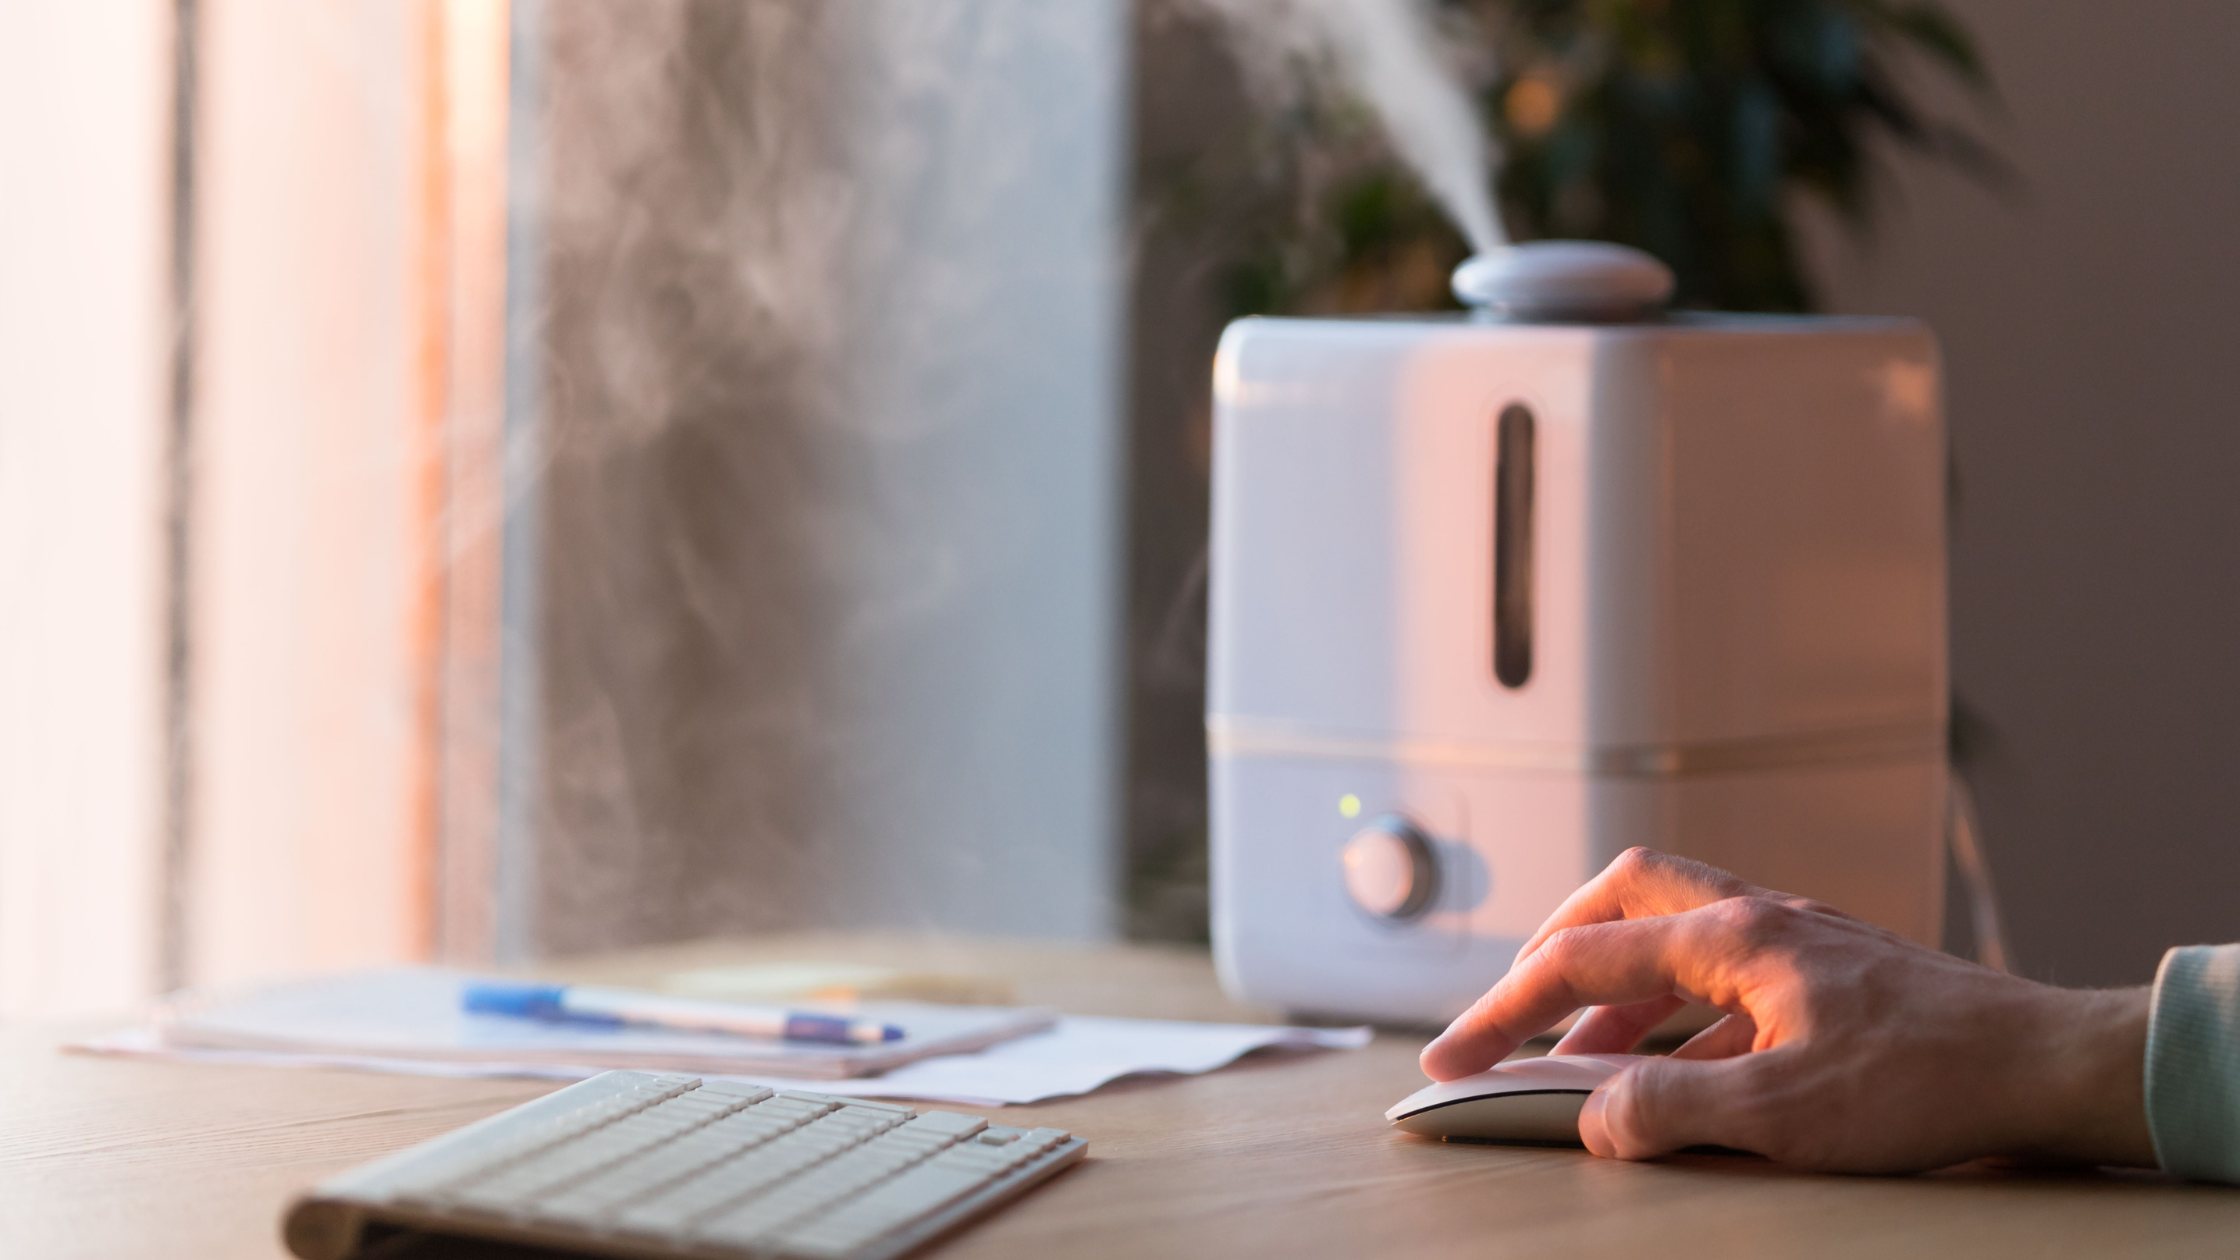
(1391, 869)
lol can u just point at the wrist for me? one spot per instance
(2096, 1051)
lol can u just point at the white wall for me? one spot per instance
(84, 142)
(328, 335)
(2093, 345)
(306, 852)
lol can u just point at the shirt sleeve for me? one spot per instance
(2193, 1063)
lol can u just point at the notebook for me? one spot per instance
(414, 1013)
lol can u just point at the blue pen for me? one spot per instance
(611, 1008)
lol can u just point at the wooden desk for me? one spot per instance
(1283, 1156)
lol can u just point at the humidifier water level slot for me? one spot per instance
(1512, 546)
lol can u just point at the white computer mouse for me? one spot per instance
(1523, 1100)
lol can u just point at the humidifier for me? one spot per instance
(1499, 594)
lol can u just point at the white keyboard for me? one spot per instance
(643, 1165)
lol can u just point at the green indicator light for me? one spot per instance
(1349, 805)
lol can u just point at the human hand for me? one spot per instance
(1843, 1047)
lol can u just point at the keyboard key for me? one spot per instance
(921, 1190)
(740, 1090)
(875, 1104)
(949, 1122)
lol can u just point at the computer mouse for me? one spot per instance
(1523, 1100)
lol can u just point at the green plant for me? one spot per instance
(1694, 129)
(1689, 128)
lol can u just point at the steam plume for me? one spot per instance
(1385, 48)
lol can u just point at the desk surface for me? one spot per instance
(1278, 1156)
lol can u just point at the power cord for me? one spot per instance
(1964, 837)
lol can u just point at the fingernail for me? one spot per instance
(1429, 1056)
(1593, 1129)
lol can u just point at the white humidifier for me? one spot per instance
(1497, 596)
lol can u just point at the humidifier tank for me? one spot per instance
(1492, 602)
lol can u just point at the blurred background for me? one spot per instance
(485, 481)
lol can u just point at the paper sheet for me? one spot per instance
(1080, 1054)
(417, 1013)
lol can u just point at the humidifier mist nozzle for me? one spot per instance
(1586, 281)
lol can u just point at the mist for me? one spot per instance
(1385, 51)
(822, 622)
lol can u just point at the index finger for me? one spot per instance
(1600, 964)
(1639, 884)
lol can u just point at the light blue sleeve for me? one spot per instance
(2193, 1063)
